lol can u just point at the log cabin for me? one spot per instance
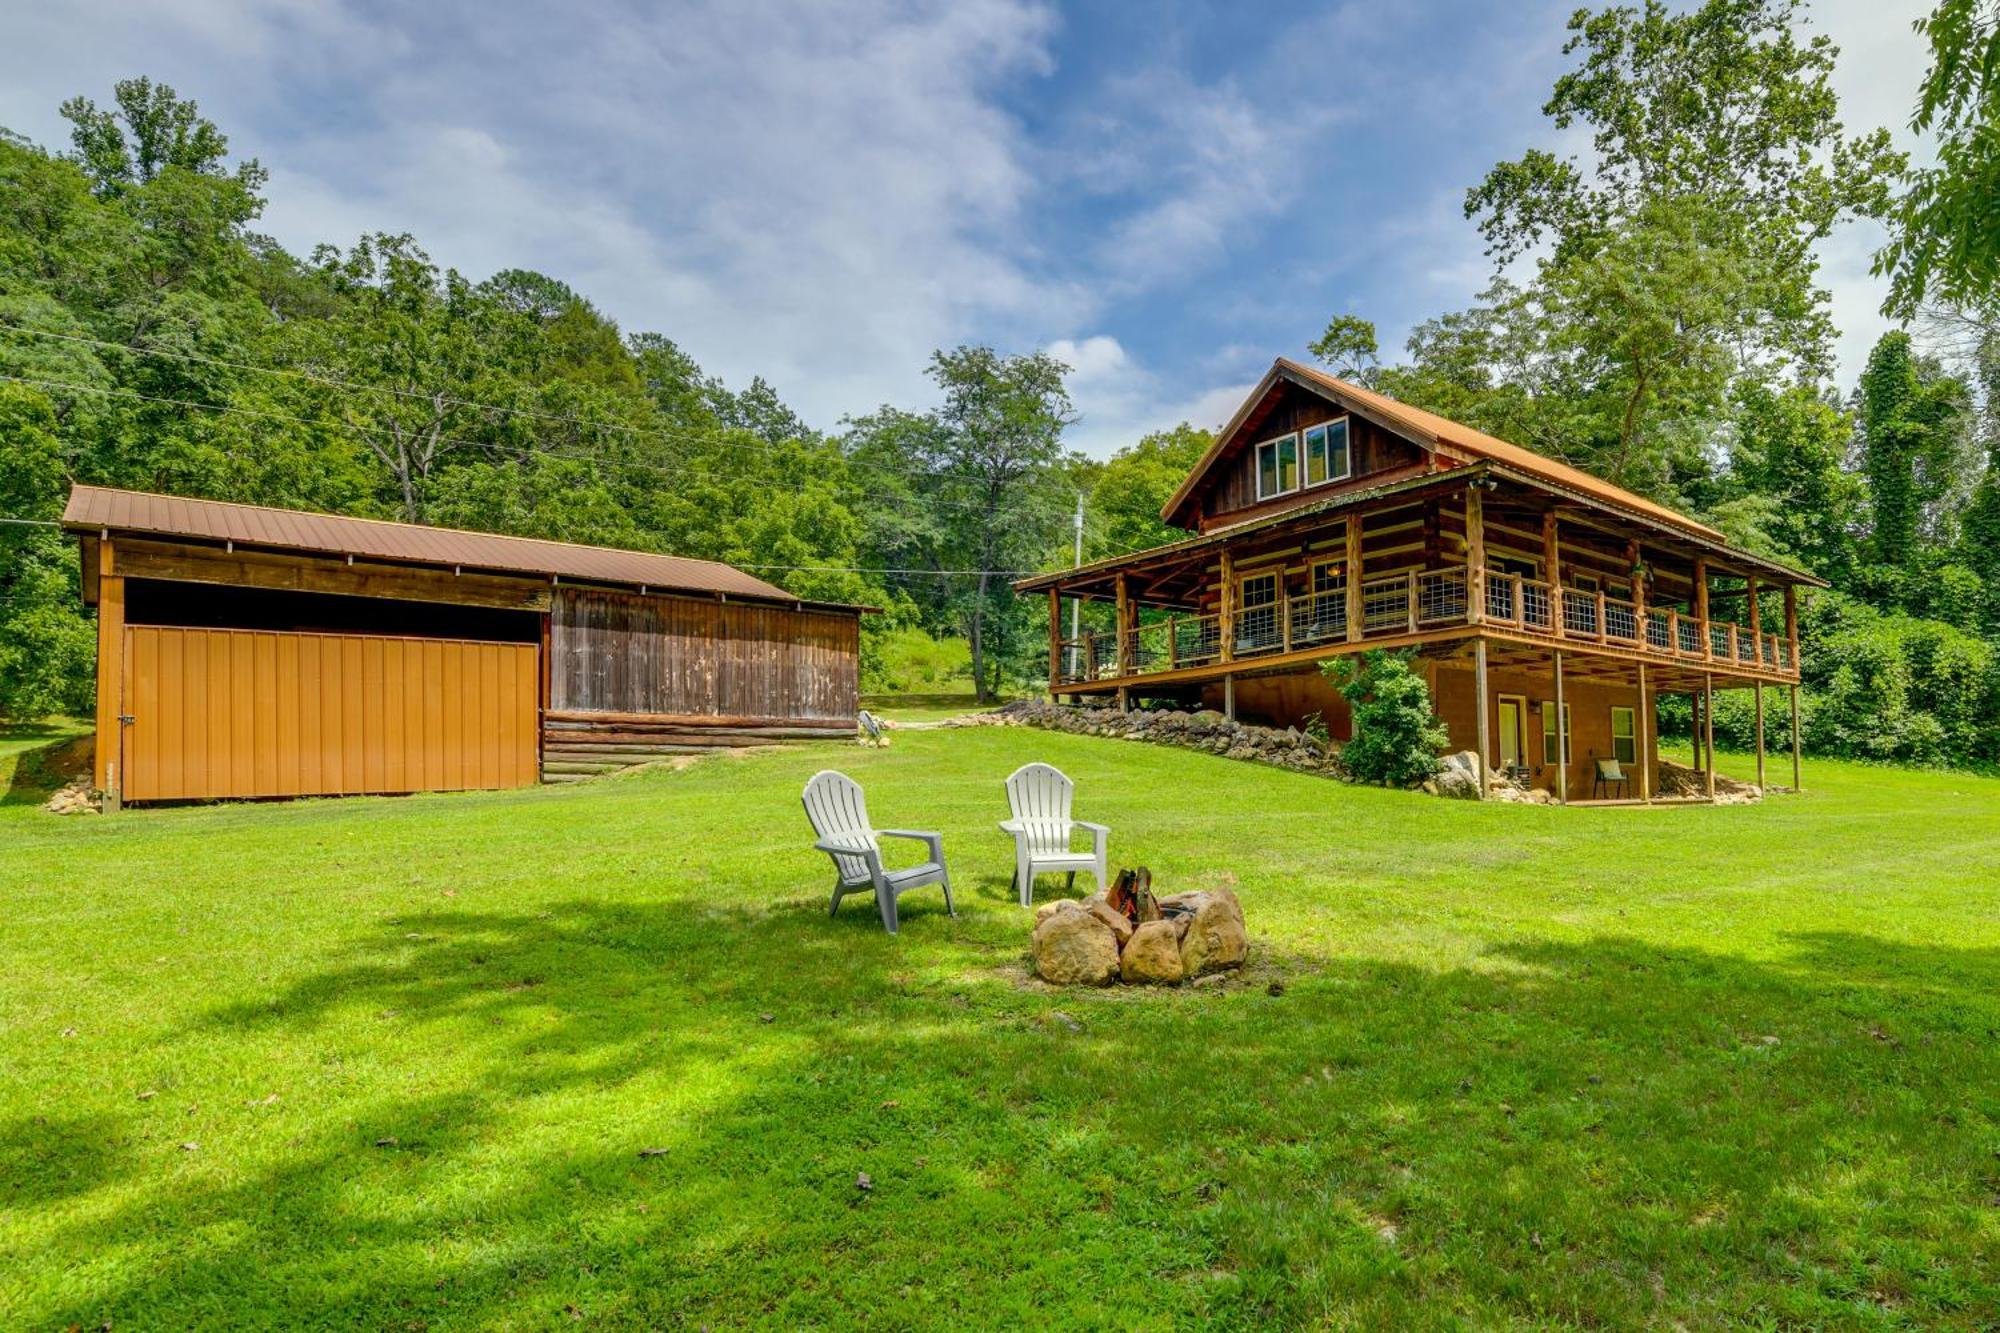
(1327, 519)
(253, 652)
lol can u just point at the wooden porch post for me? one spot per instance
(1225, 620)
(1229, 696)
(110, 774)
(1797, 785)
(1756, 633)
(1647, 725)
(1475, 568)
(1792, 628)
(1759, 688)
(1708, 726)
(1701, 604)
(1562, 741)
(1634, 558)
(1055, 640)
(1552, 574)
(1125, 654)
(1479, 688)
(1353, 578)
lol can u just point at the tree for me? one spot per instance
(1944, 241)
(1787, 457)
(150, 132)
(1134, 485)
(1912, 432)
(1348, 347)
(47, 644)
(1000, 431)
(1723, 108)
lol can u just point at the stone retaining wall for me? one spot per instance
(1203, 730)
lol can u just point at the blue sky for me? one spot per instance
(1165, 195)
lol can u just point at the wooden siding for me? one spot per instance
(624, 653)
(139, 558)
(242, 713)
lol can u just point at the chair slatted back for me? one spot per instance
(1040, 796)
(837, 810)
(1610, 770)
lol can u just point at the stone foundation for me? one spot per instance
(1202, 730)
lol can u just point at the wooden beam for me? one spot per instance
(1792, 623)
(1648, 724)
(1354, 578)
(1708, 727)
(1125, 620)
(1759, 690)
(1226, 617)
(1229, 697)
(294, 573)
(1479, 688)
(1701, 604)
(1055, 638)
(1797, 781)
(1562, 738)
(109, 776)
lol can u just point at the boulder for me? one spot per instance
(1153, 954)
(1458, 776)
(1075, 948)
(1121, 929)
(1051, 908)
(1215, 937)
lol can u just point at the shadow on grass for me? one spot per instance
(38, 770)
(1604, 1130)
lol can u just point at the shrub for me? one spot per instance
(1397, 736)
(909, 661)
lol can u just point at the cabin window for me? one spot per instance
(1257, 622)
(1549, 733)
(1329, 576)
(1326, 452)
(1624, 736)
(1278, 466)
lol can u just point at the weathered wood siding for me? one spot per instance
(614, 652)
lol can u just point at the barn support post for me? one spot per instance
(1648, 725)
(1562, 737)
(1479, 689)
(1759, 689)
(110, 776)
(1708, 726)
(1797, 784)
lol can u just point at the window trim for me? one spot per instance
(1298, 465)
(1568, 737)
(1630, 738)
(1346, 421)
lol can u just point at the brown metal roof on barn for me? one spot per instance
(95, 508)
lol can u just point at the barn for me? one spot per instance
(249, 652)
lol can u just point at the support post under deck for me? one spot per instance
(1479, 689)
(1562, 737)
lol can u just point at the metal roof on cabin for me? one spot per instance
(97, 508)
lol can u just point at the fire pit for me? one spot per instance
(1127, 934)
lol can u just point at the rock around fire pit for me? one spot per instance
(1129, 935)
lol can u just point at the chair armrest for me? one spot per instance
(1101, 829)
(838, 847)
(1013, 826)
(936, 840)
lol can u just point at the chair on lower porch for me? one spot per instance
(839, 815)
(1610, 774)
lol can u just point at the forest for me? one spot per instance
(1655, 315)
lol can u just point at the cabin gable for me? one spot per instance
(1272, 458)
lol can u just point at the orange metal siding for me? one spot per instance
(221, 712)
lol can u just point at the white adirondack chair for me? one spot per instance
(1039, 795)
(839, 816)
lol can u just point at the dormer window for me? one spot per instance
(1311, 457)
(1278, 466)
(1327, 458)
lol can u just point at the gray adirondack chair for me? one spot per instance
(1040, 795)
(839, 815)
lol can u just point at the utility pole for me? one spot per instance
(1076, 603)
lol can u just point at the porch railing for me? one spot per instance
(1410, 602)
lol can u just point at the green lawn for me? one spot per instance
(595, 1055)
